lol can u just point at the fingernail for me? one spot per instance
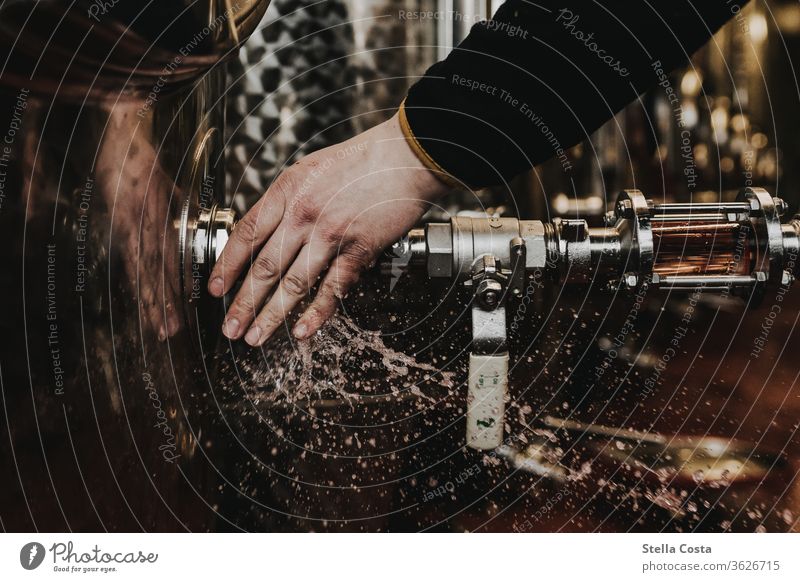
(231, 328)
(216, 286)
(300, 331)
(253, 336)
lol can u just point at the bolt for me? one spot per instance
(755, 206)
(631, 279)
(761, 276)
(780, 206)
(787, 278)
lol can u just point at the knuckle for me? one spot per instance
(265, 267)
(298, 204)
(315, 311)
(246, 230)
(294, 284)
(320, 312)
(269, 319)
(325, 294)
(358, 255)
(332, 234)
(343, 279)
(304, 210)
(243, 303)
(286, 184)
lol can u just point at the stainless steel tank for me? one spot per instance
(111, 119)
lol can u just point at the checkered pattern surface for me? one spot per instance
(288, 92)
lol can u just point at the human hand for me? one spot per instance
(138, 193)
(336, 209)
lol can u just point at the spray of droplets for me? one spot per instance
(343, 361)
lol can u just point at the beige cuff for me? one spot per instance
(420, 152)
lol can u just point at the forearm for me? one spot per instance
(540, 77)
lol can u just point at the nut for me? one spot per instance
(624, 209)
(488, 293)
(532, 232)
(573, 230)
(755, 206)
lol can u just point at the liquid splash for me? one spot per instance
(341, 361)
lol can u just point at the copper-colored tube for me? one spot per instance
(700, 248)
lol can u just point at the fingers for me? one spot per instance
(172, 320)
(265, 273)
(250, 233)
(171, 323)
(342, 275)
(294, 286)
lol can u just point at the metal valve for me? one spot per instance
(202, 234)
(738, 247)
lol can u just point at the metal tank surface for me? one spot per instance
(111, 118)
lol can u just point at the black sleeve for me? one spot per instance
(541, 76)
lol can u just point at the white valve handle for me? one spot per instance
(486, 400)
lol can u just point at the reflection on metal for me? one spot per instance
(108, 381)
(204, 226)
(606, 431)
(684, 460)
(115, 54)
(740, 246)
(538, 458)
(709, 461)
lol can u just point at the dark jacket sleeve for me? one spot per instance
(543, 75)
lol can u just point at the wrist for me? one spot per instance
(431, 180)
(422, 155)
